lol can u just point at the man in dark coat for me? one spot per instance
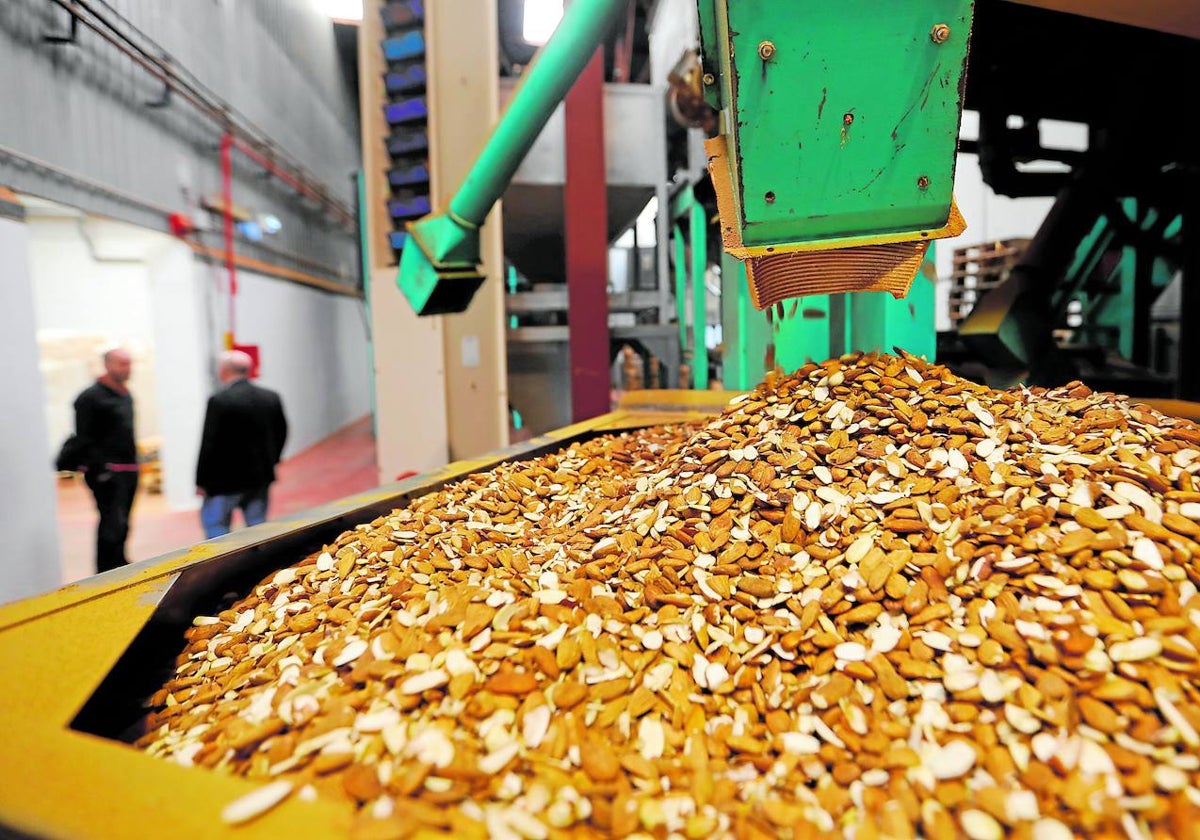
(108, 452)
(244, 433)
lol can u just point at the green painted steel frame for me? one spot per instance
(1112, 313)
(745, 331)
(691, 263)
(699, 249)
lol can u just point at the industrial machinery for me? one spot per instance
(833, 166)
(851, 177)
(1118, 231)
(832, 157)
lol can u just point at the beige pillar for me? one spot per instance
(410, 386)
(462, 62)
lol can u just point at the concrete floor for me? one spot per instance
(340, 465)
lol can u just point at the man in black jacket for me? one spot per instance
(104, 427)
(244, 433)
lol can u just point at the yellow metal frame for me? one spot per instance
(56, 648)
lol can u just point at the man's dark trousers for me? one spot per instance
(114, 492)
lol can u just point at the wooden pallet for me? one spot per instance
(150, 466)
(976, 269)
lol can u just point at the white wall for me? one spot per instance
(186, 341)
(91, 290)
(313, 351)
(100, 291)
(29, 562)
(312, 347)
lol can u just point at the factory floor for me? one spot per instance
(340, 465)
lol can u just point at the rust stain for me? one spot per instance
(922, 96)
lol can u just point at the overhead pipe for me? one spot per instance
(83, 182)
(205, 102)
(552, 73)
(227, 215)
(296, 183)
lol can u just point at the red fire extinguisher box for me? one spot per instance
(250, 350)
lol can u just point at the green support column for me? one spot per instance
(745, 332)
(817, 327)
(880, 322)
(699, 248)
(802, 333)
(364, 254)
(681, 284)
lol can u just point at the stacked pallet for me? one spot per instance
(978, 268)
(149, 465)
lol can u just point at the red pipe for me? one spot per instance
(227, 142)
(585, 210)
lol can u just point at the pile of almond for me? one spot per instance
(869, 599)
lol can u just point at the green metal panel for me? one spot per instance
(844, 117)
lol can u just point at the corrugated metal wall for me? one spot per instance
(81, 107)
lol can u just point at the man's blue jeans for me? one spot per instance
(217, 511)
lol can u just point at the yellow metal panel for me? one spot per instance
(635, 402)
(1176, 408)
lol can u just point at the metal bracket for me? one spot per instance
(164, 98)
(69, 38)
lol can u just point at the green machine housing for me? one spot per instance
(834, 165)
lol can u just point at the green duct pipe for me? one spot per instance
(441, 273)
(542, 88)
